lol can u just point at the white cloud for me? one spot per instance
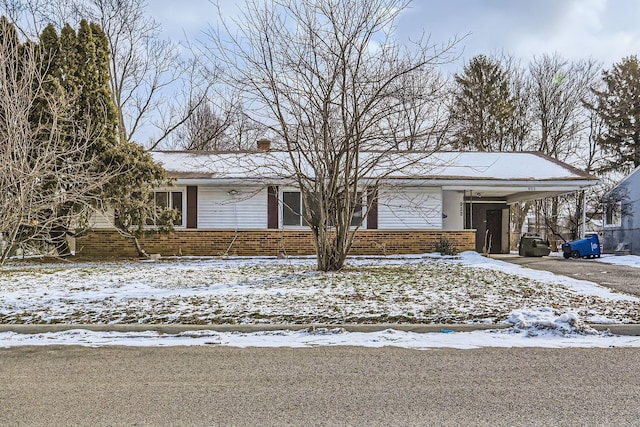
(606, 30)
(585, 29)
(576, 29)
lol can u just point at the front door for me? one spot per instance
(493, 237)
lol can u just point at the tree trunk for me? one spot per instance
(577, 224)
(141, 252)
(330, 251)
(331, 259)
(59, 239)
(552, 224)
(10, 242)
(519, 213)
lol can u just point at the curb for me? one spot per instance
(178, 328)
(617, 329)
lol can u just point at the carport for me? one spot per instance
(497, 181)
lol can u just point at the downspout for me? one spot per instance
(584, 213)
(471, 210)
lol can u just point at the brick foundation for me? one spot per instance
(105, 244)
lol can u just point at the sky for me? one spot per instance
(605, 30)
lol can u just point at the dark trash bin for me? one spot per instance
(533, 245)
(589, 247)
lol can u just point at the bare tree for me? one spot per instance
(424, 119)
(40, 171)
(244, 130)
(205, 129)
(330, 82)
(519, 135)
(30, 17)
(145, 70)
(219, 126)
(559, 88)
(587, 204)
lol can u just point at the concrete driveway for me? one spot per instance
(623, 278)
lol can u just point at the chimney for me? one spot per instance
(264, 144)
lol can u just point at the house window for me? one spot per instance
(358, 211)
(163, 200)
(613, 217)
(292, 208)
(356, 218)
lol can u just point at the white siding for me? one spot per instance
(218, 209)
(453, 208)
(410, 208)
(102, 220)
(505, 230)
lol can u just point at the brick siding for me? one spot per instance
(106, 244)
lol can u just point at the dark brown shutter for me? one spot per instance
(192, 207)
(372, 214)
(272, 206)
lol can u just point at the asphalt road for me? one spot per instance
(620, 277)
(202, 386)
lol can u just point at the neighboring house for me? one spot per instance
(621, 222)
(246, 203)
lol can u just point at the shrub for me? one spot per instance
(446, 247)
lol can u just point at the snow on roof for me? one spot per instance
(515, 166)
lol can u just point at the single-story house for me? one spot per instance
(621, 222)
(245, 203)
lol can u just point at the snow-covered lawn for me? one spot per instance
(414, 289)
(472, 289)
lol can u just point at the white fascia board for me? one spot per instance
(535, 195)
(563, 185)
(454, 185)
(225, 182)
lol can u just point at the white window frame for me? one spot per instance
(362, 195)
(282, 206)
(170, 192)
(613, 211)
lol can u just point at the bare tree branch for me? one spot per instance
(41, 171)
(338, 93)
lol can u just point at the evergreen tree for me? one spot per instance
(43, 175)
(8, 32)
(618, 104)
(482, 109)
(134, 172)
(77, 70)
(95, 107)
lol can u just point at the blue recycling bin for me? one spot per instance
(589, 247)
